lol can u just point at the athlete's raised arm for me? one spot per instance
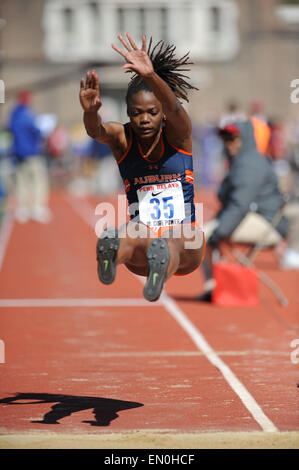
(139, 61)
(109, 133)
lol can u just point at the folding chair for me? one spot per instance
(247, 259)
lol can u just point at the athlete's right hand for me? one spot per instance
(90, 97)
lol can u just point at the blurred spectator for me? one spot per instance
(232, 114)
(207, 151)
(32, 185)
(6, 166)
(262, 134)
(57, 142)
(105, 177)
(250, 198)
(2, 195)
(262, 130)
(257, 109)
(293, 154)
(277, 144)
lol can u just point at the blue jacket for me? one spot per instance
(27, 137)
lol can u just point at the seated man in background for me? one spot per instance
(250, 198)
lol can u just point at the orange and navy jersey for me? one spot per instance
(159, 193)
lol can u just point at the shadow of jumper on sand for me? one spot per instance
(104, 409)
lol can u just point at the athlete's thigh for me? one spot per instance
(139, 270)
(139, 236)
(191, 247)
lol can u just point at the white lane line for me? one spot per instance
(171, 306)
(161, 354)
(107, 302)
(6, 229)
(197, 337)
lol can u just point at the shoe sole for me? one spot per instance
(158, 261)
(107, 248)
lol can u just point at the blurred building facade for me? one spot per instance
(242, 50)
(84, 30)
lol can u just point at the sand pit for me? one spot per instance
(152, 440)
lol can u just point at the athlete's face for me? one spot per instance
(145, 113)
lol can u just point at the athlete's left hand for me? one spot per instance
(137, 59)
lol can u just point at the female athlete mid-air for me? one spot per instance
(154, 155)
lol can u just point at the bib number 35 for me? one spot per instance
(167, 207)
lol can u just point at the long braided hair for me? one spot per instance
(168, 67)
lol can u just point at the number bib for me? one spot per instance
(161, 205)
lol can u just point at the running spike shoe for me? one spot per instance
(107, 248)
(158, 261)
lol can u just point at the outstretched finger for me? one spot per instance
(143, 43)
(124, 43)
(118, 50)
(82, 84)
(93, 79)
(87, 83)
(132, 42)
(96, 82)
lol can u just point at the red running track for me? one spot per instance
(97, 358)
